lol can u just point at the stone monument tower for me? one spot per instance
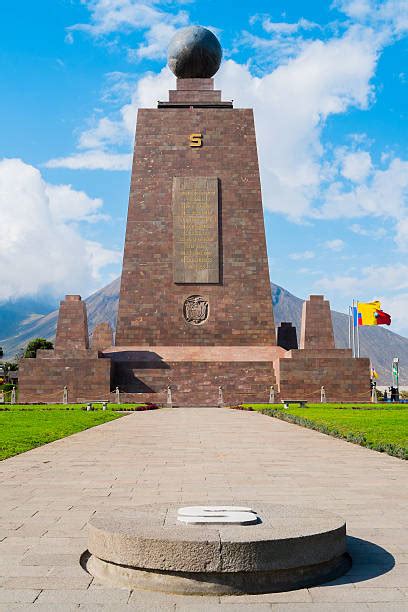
(195, 289)
(195, 270)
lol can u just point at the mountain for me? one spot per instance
(378, 343)
(22, 311)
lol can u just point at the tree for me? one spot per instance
(10, 366)
(34, 345)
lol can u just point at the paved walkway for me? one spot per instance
(48, 494)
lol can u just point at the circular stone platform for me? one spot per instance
(146, 547)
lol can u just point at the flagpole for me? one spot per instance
(358, 335)
(349, 322)
(353, 332)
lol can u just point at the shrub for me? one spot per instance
(34, 345)
(141, 408)
(6, 387)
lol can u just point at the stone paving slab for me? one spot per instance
(184, 454)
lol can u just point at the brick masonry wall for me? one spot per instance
(195, 96)
(72, 326)
(344, 378)
(195, 84)
(192, 383)
(150, 307)
(43, 380)
(102, 337)
(316, 326)
(196, 383)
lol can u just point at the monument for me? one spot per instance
(195, 310)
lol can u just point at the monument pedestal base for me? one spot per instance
(194, 374)
(143, 373)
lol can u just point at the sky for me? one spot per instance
(328, 85)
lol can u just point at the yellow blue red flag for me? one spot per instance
(366, 312)
(370, 313)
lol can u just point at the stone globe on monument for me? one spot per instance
(194, 53)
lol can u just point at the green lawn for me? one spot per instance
(380, 427)
(23, 427)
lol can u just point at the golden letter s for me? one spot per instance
(196, 140)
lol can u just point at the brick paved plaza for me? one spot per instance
(201, 455)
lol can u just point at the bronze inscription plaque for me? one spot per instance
(195, 230)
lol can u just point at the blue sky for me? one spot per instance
(328, 83)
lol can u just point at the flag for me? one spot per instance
(373, 373)
(382, 318)
(367, 312)
(370, 313)
(356, 317)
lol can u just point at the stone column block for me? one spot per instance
(317, 326)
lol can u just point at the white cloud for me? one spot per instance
(283, 27)
(157, 40)
(391, 15)
(286, 40)
(99, 258)
(126, 16)
(397, 307)
(357, 9)
(67, 204)
(42, 249)
(390, 277)
(93, 160)
(401, 237)
(150, 88)
(271, 50)
(105, 132)
(302, 255)
(378, 232)
(118, 87)
(384, 195)
(109, 16)
(335, 245)
(357, 166)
